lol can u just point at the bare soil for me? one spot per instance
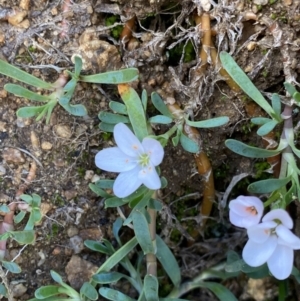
(43, 42)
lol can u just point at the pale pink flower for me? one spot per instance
(245, 211)
(273, 243)
(134, 160)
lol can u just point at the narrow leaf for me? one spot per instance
(188, 144)
(160, 119)
(23, 237)
(141, 231)
(3, 290)
(112, 118)
(267, 186)
(118, 107)
(12, 267)
(155, 204)
(144, 99)
(118, 255)
(135, 110)
(27, 112)
(106, 127)
(267, 128)
(260, 120)
(112, 77)
(76, 110)
(151, 288)
(117, 225)
(223, 293)
(276, 103)
(56, 277)
(78, 65)
(22, 76)
(107, 277)
(160, 105)
(46, 291)
(22, 92)
(209, 123)
(4, 208)
(97, 246)
(88, 291)
(113, 202)
(168, 261)
(249, 151)
(238, 75)
(113, 295)
(290, 88)
(19, 217)
(100, 192)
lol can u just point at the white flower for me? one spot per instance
(273, 243)
(134, 160)
(245, 211)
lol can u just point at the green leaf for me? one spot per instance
(160, 105)
(12, 267)
(135, 111)
(113, 202)
(89, 291)
(260, 272)
(144, 99)
(267, 186)
(209, 123)
(168, 261)
(172, 299)
(118, 107)
(117, 225)
(112, 118)
(151, 288)
(56, 277)
(141, 231)
(36, 200)
(113, 295)
(118, 256)
(112, 77)
(250, 151)
(161, 119)
(78, 65)
(260, 120)
(4, 208)
(22, 76)
(23, 237)
(107, 277)
(290, 88)
(35, 217)
(188, 144)
(155, 204)
(97, 246)
(27, 112)
(46, 291)
(105, 184)
(223, 293)
(106, 127)
(176, 138)
(267, 128)
(296, 97)
(100, 192)
(3, 290)
(26, 198)
(19, 217)
(276, 103)
(164, 182)
(75, 110)
(22, 92)
(238, 75)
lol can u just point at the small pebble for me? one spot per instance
(46, 145)
(89, 174)
(63, 131)
(12, 155)
(72, 231)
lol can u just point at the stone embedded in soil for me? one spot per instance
(79, 271)
(91, 233)
(72, 231)
(70, 194)
(12, 155)
(76, 244)
(63, 131)
(18, 289)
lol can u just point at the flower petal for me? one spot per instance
(149, 177)
(127, 141)
(113, 159)
(241, 203)
(127, 182)
(287, 238)
(236, 219)
(154, 149)
(261, 232)
(280, 214)
(256, 254)
(281, 262)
